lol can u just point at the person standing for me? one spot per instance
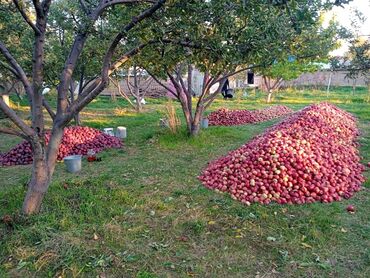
(225, 88)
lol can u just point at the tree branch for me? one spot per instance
(96, 87)
(161, 84)
(15, 118)
(208, 101)
(9, 68)
(38, 8)
(48, 108)
(19, 6)
(149, 82)
(122, 93)
(20, 72)
(11, 131)
(84, 7)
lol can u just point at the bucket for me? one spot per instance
(121, 132)
(109, 131)
(204, 123)
(73, 163)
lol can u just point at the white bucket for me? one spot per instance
(73, 163)
(121, 132)
(204, 123)
(109, 131)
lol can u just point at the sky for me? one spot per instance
(344, 15)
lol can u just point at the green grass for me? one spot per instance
(151, 217)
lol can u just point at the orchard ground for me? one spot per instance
(141, 212)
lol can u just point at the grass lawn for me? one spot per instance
(141, 212)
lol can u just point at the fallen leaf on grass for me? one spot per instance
(306, 245)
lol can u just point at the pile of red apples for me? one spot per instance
(227, 117)
(76, 140)
(311, 156)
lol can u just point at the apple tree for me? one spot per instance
(225, 38)
(36, 15)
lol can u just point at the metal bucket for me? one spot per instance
(73, 163)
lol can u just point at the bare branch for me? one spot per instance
(20, 72)
(129, 85)
(88, 82)
(149, 82)
(161, 84)
(208, 101)
(175, 83)
(48, 108)
(121, 92)
(19, 5)
(11, 131)
(206, 80)
(15, 118)
(98, 85)
(9, 68)
(208, 85)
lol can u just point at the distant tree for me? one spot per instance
(137, 84)
(276, 74)
(359, 60)
(356, 60)
(308, 50)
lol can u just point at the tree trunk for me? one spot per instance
(329, 83)
(195, 126)
(188, 118)
(354, 86)
(77, 117)
(39, 180)
(269, 97)
(138, 106)
(42, 171)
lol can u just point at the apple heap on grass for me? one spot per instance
(309, 157)
(76, 140)
(227, 117)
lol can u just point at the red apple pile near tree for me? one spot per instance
(76, 140)
(309, 157)
(227, 117)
